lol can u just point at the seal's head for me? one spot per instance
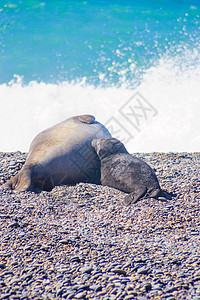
(108, 146)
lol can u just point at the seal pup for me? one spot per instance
(127, 173)
(61, 154)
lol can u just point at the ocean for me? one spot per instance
(134, 65)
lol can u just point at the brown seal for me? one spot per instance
(62, 154)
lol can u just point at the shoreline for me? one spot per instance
(80, 242)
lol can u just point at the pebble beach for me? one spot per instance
(80, 242)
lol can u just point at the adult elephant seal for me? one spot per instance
(62, 154)
(121, 170)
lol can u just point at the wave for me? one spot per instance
(162, 114)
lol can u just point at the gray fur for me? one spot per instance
(123, 171)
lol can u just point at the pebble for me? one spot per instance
(80, 295)
(86, 269)
(143, 270)
(118, 271)
(80, 242)
(96, 287)
(2, 265)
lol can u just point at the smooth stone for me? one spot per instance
(170, 289)
(26, 276)
(68, 241)
(168, 295)
(2, 265)
(83, 287)
(118, 271)
(157, 287)
(71, 296)
(69, 292)
(86, 269)
(96, 287)
(13, 225)
(75, 259)
(103, 292)
(113, 297)
(114, 277)
(143, 270)
(12, 165)
(147, 286)
(176, 261)
(80, 295)
(196, 278)
(96, 276)
(6, 296)
(21, 234)
(45, 248)
(153, 293)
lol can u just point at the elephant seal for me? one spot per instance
(121, 170)
(61, 154)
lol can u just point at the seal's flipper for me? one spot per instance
(134, 196)
(88, 119)
(166, 195)
(159, 195)
(20, 182)
(155, 193)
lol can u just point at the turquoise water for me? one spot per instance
(105, 42)
(65, 58)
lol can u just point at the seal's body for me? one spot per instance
(62, 154)
(121, 170)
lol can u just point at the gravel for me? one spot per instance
(80, 242)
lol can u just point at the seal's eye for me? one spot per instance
(117, 147)
(101, 152)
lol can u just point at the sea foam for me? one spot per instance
(169, 90)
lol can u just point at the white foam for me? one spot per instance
(171, 90)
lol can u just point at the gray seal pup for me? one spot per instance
(127, 173)
(61, 154)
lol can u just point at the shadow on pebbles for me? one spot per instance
(80, 242)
